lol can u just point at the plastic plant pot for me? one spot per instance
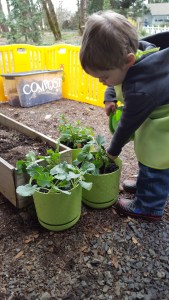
(58, 211)
(114, 121)
(105, 189)
(115, 118)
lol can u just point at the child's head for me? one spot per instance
(107, 41)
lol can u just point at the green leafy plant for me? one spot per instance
(47, 173)
(52, 158)
(96, 162)
(74, 136)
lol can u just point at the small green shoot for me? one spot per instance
(74, 136)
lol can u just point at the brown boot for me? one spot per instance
(127, 207)
(129, 186)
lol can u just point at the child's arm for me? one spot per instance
(110, 100)
(137, 108)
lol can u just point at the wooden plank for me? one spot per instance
(7, 184)
(21, 179)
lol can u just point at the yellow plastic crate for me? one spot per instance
(76, 85)
(20, 58)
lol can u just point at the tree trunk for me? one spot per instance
(8, 6)
(3, 27)
(52, 18)
(82, 5)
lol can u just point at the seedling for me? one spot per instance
(74, 136)
(47, 173)
(96, 162)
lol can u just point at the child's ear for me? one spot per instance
(130, 59)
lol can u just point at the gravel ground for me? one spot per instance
(102, 257)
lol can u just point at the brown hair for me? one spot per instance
(108, 38)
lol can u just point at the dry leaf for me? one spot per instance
(29, 268)
(134, 240)
(36, 236)
(28, 240)
(47, 117)
(51, 249)
(107, 230)
(19, 255)
(84, 248)
(31, 238)
(115, 262)
(114, 211)
(131, 220)
(109, 251)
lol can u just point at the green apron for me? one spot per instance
(151, 139)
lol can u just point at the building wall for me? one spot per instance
(150, 20)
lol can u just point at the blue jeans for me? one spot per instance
(152, 190)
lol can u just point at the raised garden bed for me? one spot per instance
(31, 139)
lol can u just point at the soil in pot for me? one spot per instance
(108, 169)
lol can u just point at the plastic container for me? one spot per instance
(114, 119)
(105, 189)
(27, 89)
(58, 211)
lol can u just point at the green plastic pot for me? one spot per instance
(105, 189)
(58, 211)
(114, 119)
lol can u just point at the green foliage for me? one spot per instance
(106, 5)
(21, 165)
(96, 162)
(142, 33)
(94, 6)
(74, 136)
(47, 173)
(134, 8)
(23, 22)
(138, 9)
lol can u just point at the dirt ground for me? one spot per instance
(94, 259)
(46, 118)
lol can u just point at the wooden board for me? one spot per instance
(7, 184)
(9, 179)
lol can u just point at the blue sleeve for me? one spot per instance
(136, 110)
(110, 94)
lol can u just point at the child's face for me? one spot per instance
(114, 76)
(110, 77)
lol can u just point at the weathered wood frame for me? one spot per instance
(9, 179)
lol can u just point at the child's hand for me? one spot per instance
(110, 107)
(111, 156)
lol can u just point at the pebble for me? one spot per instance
(161, 274)
(112, 266)
(106, 288)
(152, 252)
(45, 296)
